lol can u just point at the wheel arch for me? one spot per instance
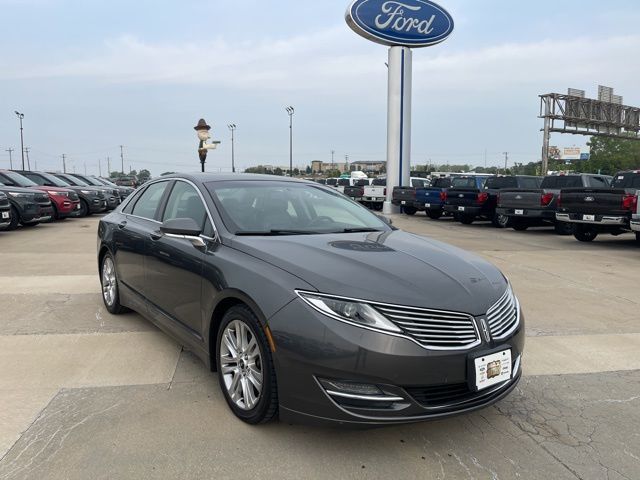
(226, 300)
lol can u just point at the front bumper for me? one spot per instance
(311, 346)
(97, 205)
(112, 202)
(608, 220)
(36, 213)
(635, 223)
(463, 209)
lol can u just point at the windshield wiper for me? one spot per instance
(360, 229)
(275, 231)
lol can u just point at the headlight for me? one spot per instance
(354, 312)
(89, 192)
(60, 194)
(21, 195)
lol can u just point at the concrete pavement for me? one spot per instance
(85, 394)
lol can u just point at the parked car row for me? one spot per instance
(28, 198)
(583, 205)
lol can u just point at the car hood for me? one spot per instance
(6, 188)
(390, 267)
(51, 189)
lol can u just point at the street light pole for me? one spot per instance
(290, 111)
(20, 117)
(10, 150)
(232, 127)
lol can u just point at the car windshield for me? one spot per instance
(464, 182)
(74, 180)
(92, 181)
(55, 180)
(19, 180)
(287, 208)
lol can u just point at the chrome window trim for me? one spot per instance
(300, 294)
(216, 233)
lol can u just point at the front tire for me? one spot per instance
(15, 219)
(409, 210)
(84, 208)
(109, 283)
(467, 219)
(434, 214)
(563, 228)
(245, 367)
(585, 234)
(501, 221)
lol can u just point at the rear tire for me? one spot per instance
(252, 365)
(409, 210)
(585, 233)
(563, 228)
(501, 221)
(434, 214)
(467, 219)
(109, 284)
(638, 238)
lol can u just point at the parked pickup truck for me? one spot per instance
(356, 189)
(405, 196)
(472, 198)
(374, 195)
(431, 198)
(592, 211)
(528, 207)
(635, 218)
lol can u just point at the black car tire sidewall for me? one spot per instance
(434, 214)
(267, 407)
(84, 208)
(409, 210)
(15, 219)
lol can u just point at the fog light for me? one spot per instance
(350, 387)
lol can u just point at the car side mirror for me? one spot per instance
(185, 228)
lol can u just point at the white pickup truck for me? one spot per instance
(635, 219)
(375, 194)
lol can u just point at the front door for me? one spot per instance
(174, 266)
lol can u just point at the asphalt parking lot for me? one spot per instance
(85, 394)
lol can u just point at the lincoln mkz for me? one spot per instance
(309, 306)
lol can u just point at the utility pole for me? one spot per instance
(20, 117)
(26, 150)
(108, 167)
(346, 163)
(10, 150)
(290, 112)
(99, 168)
(506, 159)
(232, 127)
(333, 152)
(64, 163)
(122, 158)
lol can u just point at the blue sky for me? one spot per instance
(91, 75)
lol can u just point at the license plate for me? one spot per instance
(402, 202)
(492, 369)
(589, 218)
(461, 209)
(5, 214)
(519, 212)
(427, 205)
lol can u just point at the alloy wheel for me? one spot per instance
(108, 281)
(241, 365)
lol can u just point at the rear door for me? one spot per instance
(174, 267)
(140, 220)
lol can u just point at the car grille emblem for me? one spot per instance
(460, 195)
(589, 199)
(518, 197)
(485, 330)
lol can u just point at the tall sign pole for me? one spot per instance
(401, 25)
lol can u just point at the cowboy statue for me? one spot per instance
(203, 134)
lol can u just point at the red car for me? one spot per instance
(65, 202)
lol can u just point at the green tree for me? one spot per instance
(308, 170)
(610, 155)
(144, 175)
(115, 174)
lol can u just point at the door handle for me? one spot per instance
(155, 235)
(122, 224)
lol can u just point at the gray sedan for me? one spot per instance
(308, 305)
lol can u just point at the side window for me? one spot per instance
(184, 202)
(7, 181)
(35, 178)
(598, 182)
(148, 202)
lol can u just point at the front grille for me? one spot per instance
(100, 195)
(503, 315)
(41, 198)
(432, 328)
(453, 397)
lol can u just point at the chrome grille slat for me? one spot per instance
(502, 317)
(432, 328)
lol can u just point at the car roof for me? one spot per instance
(224, 177)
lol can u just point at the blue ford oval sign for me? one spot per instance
(408, 23)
